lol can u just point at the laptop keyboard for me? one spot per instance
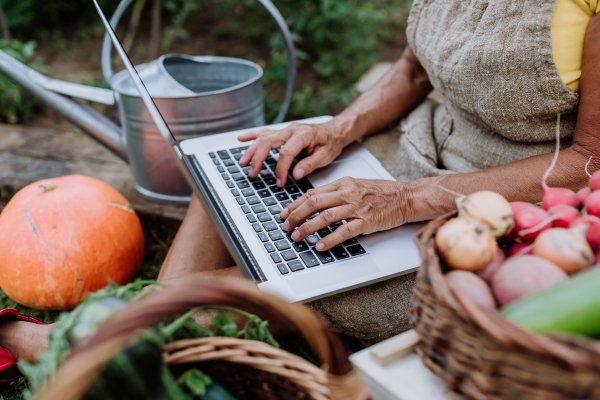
(261, 201)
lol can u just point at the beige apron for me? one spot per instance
(492, 60)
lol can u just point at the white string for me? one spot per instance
(547, 173)
(586, 165)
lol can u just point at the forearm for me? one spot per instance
(400, 90)
(516, 181)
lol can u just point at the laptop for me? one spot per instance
(246, 212)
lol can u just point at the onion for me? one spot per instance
(566, 248)
(466, 244)
(489, 208)
(468, 285)
(593, 234)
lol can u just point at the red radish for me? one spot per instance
(583, 194)
(566, 248)
(593, 234)
(566, 214)
(516, 206)
(468, 285)
(489, 208)
(532, 221)
(520, 249)
(490, 270)
(594, 183)
(466, 244)
(592, 203)
(524, 275)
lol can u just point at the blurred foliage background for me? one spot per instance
(337, 41)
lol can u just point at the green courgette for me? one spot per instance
(572, 306)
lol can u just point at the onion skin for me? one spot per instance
(567, 215)
(468, 285)
(593, 234)
(557, 196)
(466, 244)
(592, 204)
(594, 183)
(566, 248)
(489, 208)
(487, 274)
(529, 218)
(524, 275)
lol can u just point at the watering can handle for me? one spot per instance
(281, 25)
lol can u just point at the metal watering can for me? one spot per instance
(197, 96)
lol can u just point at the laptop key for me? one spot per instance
(264, 193)
(263, 237)
(278, 219)
(269, 201)
(282, 245)
(350, 242)
(282, 196)
(225, 176)
(235, 193)
(292, 189)
(228, 163)
(276, 235)
(296, 196)
(251, 218)
(276, 258)
(253, 200)
(288, 255)
(286, 203)
(309, 259)
(248, 192)
(216, 162)
(265, 173)
(295, 265)
(325, 256)
(304, 184)
(238, 177)
(270, 181)
(264, 217)
(270, 226)
(240, 200)
(246, 209)
(339, 252)
(275, 210)
(259, 185)
(246, 170)
(238, 149)
(356, 250)
(238, 156)
(276, 189)
(258, 208)
(269, 246)
(233, 170)
(312, 240)
(257, 227)
(212, 155)
(323, 232)
(242, 184)
(230, 184)
(221, 169)
(282, 269)
(255, 179)
(223, 154)
(300, 246)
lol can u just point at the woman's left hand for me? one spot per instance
(367, 206)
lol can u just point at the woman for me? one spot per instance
(507, 68)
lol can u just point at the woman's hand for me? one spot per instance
(323, 143)
(367, 205)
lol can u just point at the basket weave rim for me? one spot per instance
(578, 352)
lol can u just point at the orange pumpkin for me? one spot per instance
(63, 238)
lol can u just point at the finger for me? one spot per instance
(286, 156)
(252, 135)
(248, 154)
(315, 202)
(318, 159)
(267, 140)
(259, 157)
(323, 220)
(347, 231)
(330, 187)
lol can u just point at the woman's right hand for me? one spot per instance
(322, 142)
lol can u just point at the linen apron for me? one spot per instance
(493, 61)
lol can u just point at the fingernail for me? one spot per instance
(278, 183)
(286, 226)
(320, 246)
(284, 213)
(296, 236)
(300, 173)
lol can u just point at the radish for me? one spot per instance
(594, 183)
(532, 221)
(466, 244)
(516, 206)
(566, 214)
(524, 275)
(489, 208)
(470, 286)
(520, 249)
(583, 194)
(592, 203)
(593, 234)
(490, 270)
(566, 248)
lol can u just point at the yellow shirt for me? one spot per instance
(568, 26)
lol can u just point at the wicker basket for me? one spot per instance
(480, 355)
(297, 377)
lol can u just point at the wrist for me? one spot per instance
(347, 128)
(426, 200)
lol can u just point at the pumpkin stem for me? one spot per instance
(48, 186)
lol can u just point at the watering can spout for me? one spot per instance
(58, 96)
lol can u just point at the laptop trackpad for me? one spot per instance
(355, 167)
(330, 275)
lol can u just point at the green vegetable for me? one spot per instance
(200, 386)
(572, 306)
